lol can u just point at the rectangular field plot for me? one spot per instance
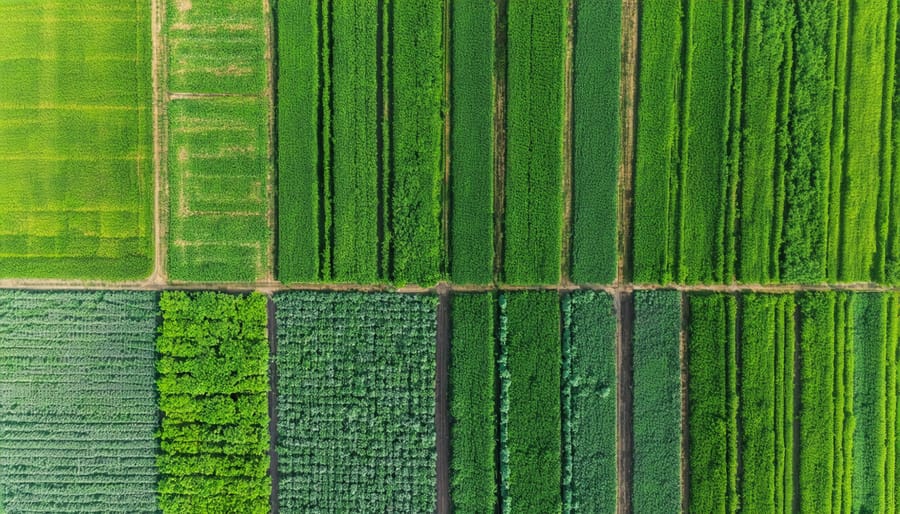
(216, 46)
(765, 143)
(213, 383)
(218, 190)
(75, 140)
(356, 402)
(77, 402)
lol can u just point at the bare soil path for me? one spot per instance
(624, 401)
(159, 146)
(628, 115)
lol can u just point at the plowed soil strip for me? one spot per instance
(624, 400)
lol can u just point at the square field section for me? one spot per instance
(218, 190)
(216, 46)
(75, 139)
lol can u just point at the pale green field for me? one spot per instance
(218, 196)
(75, 139)
(216, 46)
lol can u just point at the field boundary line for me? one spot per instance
(157, 14)
(500, 74)
(447, 108)
(565, 261)
(628, 99)
(271, 169)
(684, 357)
(272, 286)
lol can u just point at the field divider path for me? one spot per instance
(158, 72)
(565, 261)
(271, 177)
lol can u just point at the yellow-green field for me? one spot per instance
(75, 139)
(218, 191)
(216, 46)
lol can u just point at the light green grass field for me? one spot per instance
(216, 46)
(75, 139)
(218, 200)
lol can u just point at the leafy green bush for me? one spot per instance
(213, 395)
(356, 404)
(472, 404)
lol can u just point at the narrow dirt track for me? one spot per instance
(624, 401)
(442, 407)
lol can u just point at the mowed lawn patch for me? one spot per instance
(218, 199)
(75, 140)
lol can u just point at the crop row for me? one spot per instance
(765, 143)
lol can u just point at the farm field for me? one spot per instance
(213, 363)
(361, 162)
(77, 402)
(218, 224)
(795, 182)
(216, 46)
(75, 140)
(432, 256)
(356, 401)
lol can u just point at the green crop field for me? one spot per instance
(216, 46)
(75, 140)
(213, 381)
(472, 144)
(487, 256)
(657, 401)
(777, 169)
(77, 402)
(589, 403)
(472, 400)
(747, 356)
(534, 152)
(531, 429)
(218, 205)
(360, 120)
(356, 402)
(595, 153)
